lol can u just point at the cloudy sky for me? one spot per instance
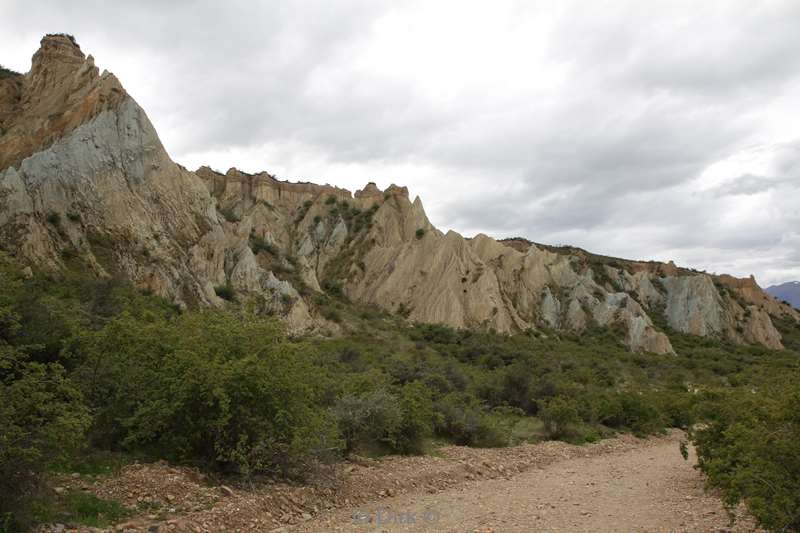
(663, 130)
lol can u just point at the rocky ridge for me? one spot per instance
(85, 183)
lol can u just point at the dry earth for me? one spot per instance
(620, 484)
(646, 488)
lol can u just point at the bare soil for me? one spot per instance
(619, 484)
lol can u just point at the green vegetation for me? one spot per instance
(102, 372)
(42, 412)
(67, 35)
(749, 447)
(229, 214)
(260, 244)
(79, 507)
(7, 73)
(301, 213)
(53, 218)
(420, 233)
(226, 292)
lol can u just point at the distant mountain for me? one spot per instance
(789, 291)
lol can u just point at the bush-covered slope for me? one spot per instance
(104, 366)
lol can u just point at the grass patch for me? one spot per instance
(80, 508)
(94, 462)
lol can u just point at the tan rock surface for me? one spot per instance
(86, 183)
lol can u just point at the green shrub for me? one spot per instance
(417, 420)
(42, 417)
(462, 419)
(420, 233)
(333, 287)
(42, 414)
(560, 415)
(229, 214)
(331, 313)
(214, 388)
(639, 415)
(53, 218)
(226, 292)
(260, 244)
(73, 216)
(371, 417)
(748, 444)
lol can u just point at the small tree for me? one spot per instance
(368, 417)
(558, 415)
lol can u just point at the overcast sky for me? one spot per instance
(652, 130)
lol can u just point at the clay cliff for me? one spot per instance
(85, 183)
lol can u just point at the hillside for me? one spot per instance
(198, 351)
(87, 185)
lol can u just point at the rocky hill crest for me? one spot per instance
(86, 184)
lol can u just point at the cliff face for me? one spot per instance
(85, 181)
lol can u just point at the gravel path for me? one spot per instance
(647, 488)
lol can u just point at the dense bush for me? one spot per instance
(228, 391)
(367, 418)
(381, 420)
(42, 416)
(749, 447)
(461, 418)
(559, 416)
(216, 388)
(416, 423)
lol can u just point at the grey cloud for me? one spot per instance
(748, 184)
(652, 94)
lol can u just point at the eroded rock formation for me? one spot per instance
(86, 183)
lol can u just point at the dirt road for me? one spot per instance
(646, 488)
(619, 484)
